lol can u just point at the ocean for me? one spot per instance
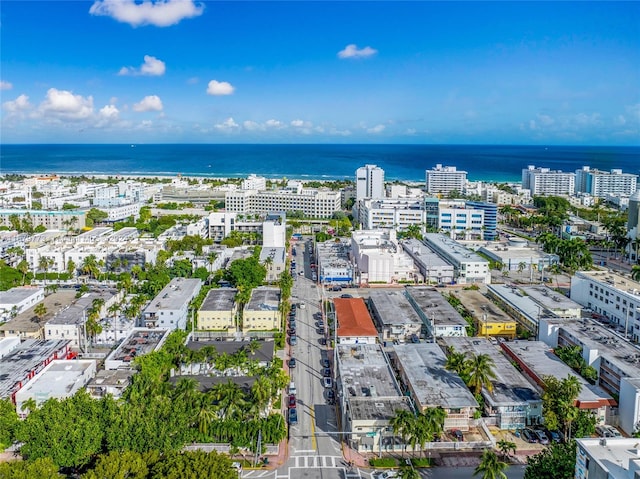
(311, 162)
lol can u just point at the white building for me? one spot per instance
(443, 180)
(369, 182)
(274, 231)
(611, 296)
(607, 458)
(544, 181)
(378, 257)
(313, 203)
(17, 300)
(461, 222)
(170, 308)
(600, 183)
(253, 182)
(469, 266)
(52, 220)
(432, 268)
(60, 379)
(334, 265)
(396, 213)
(633, 227)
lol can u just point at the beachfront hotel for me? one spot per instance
(544, 181)
(443, 180)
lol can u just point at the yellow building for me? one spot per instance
(487, 317)
(262, 313)
(218, 311)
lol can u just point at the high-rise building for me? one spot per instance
(544, 181)
(600, 183)
(445, 179)
(369, 182)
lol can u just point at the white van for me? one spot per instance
(292, 388)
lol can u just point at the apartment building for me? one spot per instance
(469, 267)
(439, 317)
(51, 220)
(600, 183)
(369, 182)
(312, 203)
(218, 311)
(262, 313)
(544, 181)
(19, 299)
(355, 325)
(432, 268)
(379, 258)
(170, 308)
(442, 180)
(394, 315)
(333, 263)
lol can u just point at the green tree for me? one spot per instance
(558, 402)
(193, 465)
(506, 448)
(40, 311)
(42, 468)
(480, 368)
(90, 266)
(557, 461)
(8, 423)
(490, 466)
(120, 465)
(635, 272)
(402, 424)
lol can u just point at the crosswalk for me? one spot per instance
(312, 462)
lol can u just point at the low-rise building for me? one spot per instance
(432, 268)
(334, 265)
(439, 317)
(469, 267)
(52, 220)
(110, 382)
(422, 372)
(553, 303)
(261, 352)
(275, 261)
(170, 308)
(394, 315)
(59, 380)
(518, 255)
(537, 361)
(17, 300)
(379, 258)
(218, 310)
(369, 397)
(487, 317)
(262, 312)
(512, 401)
(610, 458)
(140, 341)
(355, 325)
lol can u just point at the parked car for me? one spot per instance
(346, 296)
(320, 323)
(541, 436)
(293, 416)
(457, 434)
(292, 388)
(414, 338)
(529, 436)
(386, 475)
(293, 340)
(331, 394)
(555, 436)
(325, 362)
(327, 382)
(292, 400)
(326, 372)
(323, 341)
(292, 323)
(292, 363)
(614, 432)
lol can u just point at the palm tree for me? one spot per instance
(261, 391)
(206, 416)
(635, 272)
(90, 266)
(186, 390)
(506, 447)
(402, 423)
(71, 268)
(40, 311)
(229, 397)
(408, 472)
(29, 405)
(490, 466)
(481, 372)
(23, 267)
(43, 265)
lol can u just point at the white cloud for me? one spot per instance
(376, 129)
(5, 85)
(274, 124)
(227, 125)
(64, 105)
(252, 125)
(352, 51)
(109, 112)
(18, 105)
(160, 13)
(151, 67)
(300, 124)
(218, 88)
(149, 103)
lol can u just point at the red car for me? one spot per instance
(292, 400)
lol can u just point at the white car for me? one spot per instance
(387, 475)
(327, 382)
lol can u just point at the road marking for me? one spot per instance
(313, 427)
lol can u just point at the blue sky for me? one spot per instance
(183, 71)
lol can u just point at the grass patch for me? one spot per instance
(422, 462)
(383, 462)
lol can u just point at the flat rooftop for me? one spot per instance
(174, 295)
(550, 299)
(513, 255)
(264, 298)
(140, 341)
(624, 354)
(515, 298)
(393, 307)
(28, 323)
(423, 366)
(478, 305)
(206, 383)
(76, 313)
(615, 280)
(365, 372)
(16, 295)
(539, 360)
(60, 379)
(423, 254)
(277, 254)
(510, 387)
(434, 306)
(376, 409)
(444, 245)
(27, 357)
(614, 455)
(219, 299)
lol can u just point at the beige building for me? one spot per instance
(218, 311)
(262, 313)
